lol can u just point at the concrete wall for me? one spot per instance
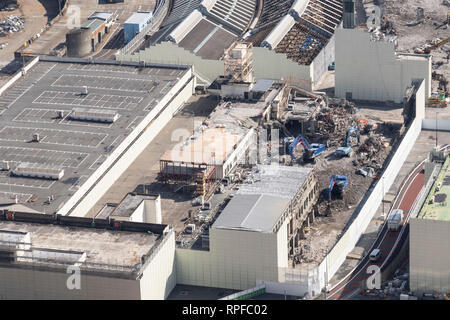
(267, 63)
(124, 155)
(370, 70)
(236, 259)
(159, 277)
(429, 256)
(237, 156)
(31, 284)
(271, 65)
(322, 61)
(157, 281)
(170, 53)
(431, 124)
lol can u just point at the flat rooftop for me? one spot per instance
(31, 106)
(217, 137)
(440, 208)
(139, 17)
(130, 203)
(92, 24)
(107, 250)
(211, 146)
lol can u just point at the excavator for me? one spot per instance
(346, 149)
(364, 126)
(427, 50)
(311, 150)
(338, 183)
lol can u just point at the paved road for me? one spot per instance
(386, 240)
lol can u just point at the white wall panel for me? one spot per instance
(370, 70)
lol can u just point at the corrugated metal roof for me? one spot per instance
(100, 15)
(256, 212)
(275, 180)
(93, 24)
(258, 206)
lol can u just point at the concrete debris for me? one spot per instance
(334, 121)
(387, 26)
(11, 24)
(366, 172)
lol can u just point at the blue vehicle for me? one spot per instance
(344, 151)
(311, 150)
(338, 184)
(331, 66)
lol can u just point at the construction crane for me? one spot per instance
(338, 183)
(346, 149)
(311, 150)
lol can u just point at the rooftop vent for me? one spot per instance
(4, 165)
(36, 137)
(95, 115)
(36, 172)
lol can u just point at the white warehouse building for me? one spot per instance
(55, 257)
(255, 237)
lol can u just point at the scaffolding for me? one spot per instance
(202, 175)
(238, 62)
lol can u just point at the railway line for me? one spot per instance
(387, 241)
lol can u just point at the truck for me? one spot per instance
(395, 219)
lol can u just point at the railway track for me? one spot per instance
(387, 241)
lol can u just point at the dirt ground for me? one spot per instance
(36, 15)
(332, 217)
(403, 14)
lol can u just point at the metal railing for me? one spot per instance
(23, 256)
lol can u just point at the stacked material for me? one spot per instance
(10, 25)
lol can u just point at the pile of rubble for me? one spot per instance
(10, 25)
(395, 288)
(387, 26)
(370, 152)
(334, 121)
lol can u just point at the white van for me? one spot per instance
(375, 255)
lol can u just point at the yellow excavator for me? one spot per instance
(427, 50)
